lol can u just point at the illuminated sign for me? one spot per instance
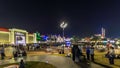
(19, 33)
(20, 38)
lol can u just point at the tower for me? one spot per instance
(103, 33)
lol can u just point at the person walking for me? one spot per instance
(15, 55)
(81, 53)
(92, 53)
(88, 52)
(22, 64)
(2, 53)
(75, 53)
(111, 55)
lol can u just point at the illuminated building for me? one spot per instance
(32, 38)
(4, 36)
(16, 36)
(103, 33)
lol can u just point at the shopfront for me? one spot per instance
(4, 36)
(18, 36)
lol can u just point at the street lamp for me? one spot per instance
(63, 25)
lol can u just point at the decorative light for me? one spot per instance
(63, 25)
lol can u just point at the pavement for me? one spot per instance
(58, 61)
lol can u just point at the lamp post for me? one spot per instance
(63, 25)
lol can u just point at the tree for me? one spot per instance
(75, 39)
(96, 39)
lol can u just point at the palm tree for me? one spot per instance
(96, 39)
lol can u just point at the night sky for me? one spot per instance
(84, 17)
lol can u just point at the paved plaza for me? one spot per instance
(58, 61)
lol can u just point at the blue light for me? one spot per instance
(68, 43)
(45, 38)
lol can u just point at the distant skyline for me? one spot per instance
(84, 18)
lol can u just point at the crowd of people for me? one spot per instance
(19, 51)
(77, 53)
(89, 50)
(33, 47)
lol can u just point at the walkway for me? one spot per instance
(58, 61)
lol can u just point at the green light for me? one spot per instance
(38, 37)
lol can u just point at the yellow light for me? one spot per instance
(4, 32)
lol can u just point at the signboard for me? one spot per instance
(38, 38)
(20, 38)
